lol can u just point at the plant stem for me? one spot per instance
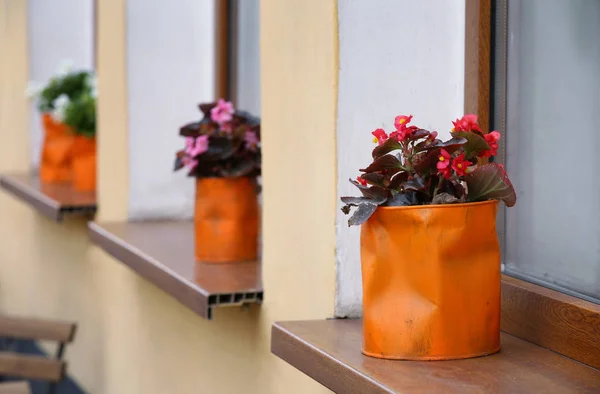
(437, 187)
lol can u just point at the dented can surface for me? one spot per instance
(431, 282)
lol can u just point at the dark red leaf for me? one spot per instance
(397, 180)
(490, 181)
(414, 184)
(475, 143)
(388, 146)
(383, 163)
(402, 199)
(377, 179)
(427, 159)
(417, 134)
(372, 192)
(362, 213)
(445, 198)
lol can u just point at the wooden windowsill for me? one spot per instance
(54, 201)
(163, 253)
(329, 352)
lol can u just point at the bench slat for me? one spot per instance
(31, 367)
(37, 329)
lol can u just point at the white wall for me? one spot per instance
(58, 30)
(396, 57)
(248, 67)
(170, 66)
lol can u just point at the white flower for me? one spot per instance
(60, 107)
(91, 81)
(33, 89)
(66, 66)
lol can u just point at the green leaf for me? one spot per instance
(490, 181)
(475, 143)
(80, 115)
(388, 146)
(383, 163)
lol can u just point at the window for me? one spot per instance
(547, 105)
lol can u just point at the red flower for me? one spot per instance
(443, 164)
(432, 136)
(459, 164)
(402, 128)
(398, 135)
(361, 181)
(402, 121)
(492, 139)
(379, 136)
(466, 123)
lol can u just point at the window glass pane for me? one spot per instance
(553, 142)
(248, 57)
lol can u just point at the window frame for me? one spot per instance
(558, 319)
(499, 108)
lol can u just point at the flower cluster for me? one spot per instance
(411, 166)
(225, 143)
(70, 97)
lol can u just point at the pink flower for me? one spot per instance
(222, 112)
(443, 164)
(380, 136)
(251, 140)
(196, 146)
(189, 143)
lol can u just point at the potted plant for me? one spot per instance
(68, 106)
(222, 151)
(80, 117)
(430, 255)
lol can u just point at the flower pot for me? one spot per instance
(431, 282)
(84, 163)
(226, 220)
(55, 163)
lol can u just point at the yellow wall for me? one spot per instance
(134, 338)
(14, 119)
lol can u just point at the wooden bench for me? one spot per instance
(29, 366)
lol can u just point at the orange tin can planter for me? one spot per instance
(84, 163)
(55, 163)
(431, 282)
(226, 220)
